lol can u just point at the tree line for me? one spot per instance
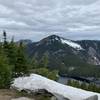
(83, 85)
(15, 63)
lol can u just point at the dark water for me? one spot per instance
(63, 80)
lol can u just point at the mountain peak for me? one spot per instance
(62, 40)
(50, 39)
(54, 37)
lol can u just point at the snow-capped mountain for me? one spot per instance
(54, 38)
(67, 55)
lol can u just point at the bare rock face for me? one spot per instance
(93, 59)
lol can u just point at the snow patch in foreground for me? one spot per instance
(36, 82)
(72, 44)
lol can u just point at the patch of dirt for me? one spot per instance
(9, 94)
(6, 94)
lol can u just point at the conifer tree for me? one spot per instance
(84, 86)
(69, 82)
(92, 87)
(5, 36)
(76, 84)
(12, 51)
(44, 61)
(21, 66)
(5, 70)
(5, 43)
(34, 63)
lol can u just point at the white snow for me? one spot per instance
(72, 44)
(57, 38)
(35, 82)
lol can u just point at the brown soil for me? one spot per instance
(8, 94)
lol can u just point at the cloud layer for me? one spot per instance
(35, 19)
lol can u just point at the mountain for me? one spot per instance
(25, 41)
(78, 58)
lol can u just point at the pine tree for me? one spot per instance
(5, 43)
(5, 36)
(52, 74)
(76, 84)
(69, 82)
(5, 70)
(21, 66)
(84, 86)
(44, 61)
(34, 63)
(11, 52)
(92, 87)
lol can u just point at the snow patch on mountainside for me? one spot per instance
(36, 82)
(72, 44)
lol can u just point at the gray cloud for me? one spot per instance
(35, 19)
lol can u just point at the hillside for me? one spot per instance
(78, 58)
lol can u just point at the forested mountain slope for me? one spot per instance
(68, 56)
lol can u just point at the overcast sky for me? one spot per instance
(35, 19)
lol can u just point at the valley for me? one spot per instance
(49, 49)
(72, 63)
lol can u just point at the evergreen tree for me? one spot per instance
(52, 74)
(69, 82)
(21, 65)
(92, 87)
(84, 86)
(44, 61)
(5, 43)
(9, 49)
(76, 84)
(12, 51)
(5, 36)
(5, 71)
(34, 63)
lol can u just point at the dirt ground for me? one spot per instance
(9, 95)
